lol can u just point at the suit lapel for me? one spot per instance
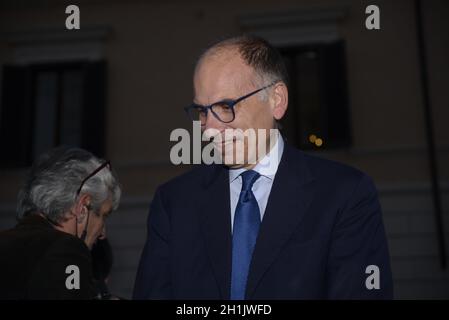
(289, 199)
(216, 225)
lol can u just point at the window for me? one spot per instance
(318, 113)
(46, 105)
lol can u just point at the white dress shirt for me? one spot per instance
(267, 169)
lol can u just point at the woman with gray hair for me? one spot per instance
(62, 209)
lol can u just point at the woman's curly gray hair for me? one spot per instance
(52, 183)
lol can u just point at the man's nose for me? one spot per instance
(212, 122)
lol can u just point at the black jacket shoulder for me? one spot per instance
(40, 262)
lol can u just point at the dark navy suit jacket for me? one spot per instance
(321, 229)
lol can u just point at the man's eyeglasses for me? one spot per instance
(222, 110)
(104, 165)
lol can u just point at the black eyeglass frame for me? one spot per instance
(227, 102)
(104, 165)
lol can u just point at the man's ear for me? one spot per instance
(280, 100)
(82, 206)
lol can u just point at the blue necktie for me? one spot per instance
(246, 227)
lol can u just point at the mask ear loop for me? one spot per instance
(83, 236)
(76, 226)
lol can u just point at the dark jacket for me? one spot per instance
(34, 257)
(321, 232)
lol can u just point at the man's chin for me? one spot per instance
(228, 151)
(233, 163)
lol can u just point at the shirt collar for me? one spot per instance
(266, 167)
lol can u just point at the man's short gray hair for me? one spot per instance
(54, 179)
(257, 53)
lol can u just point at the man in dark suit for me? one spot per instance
(301, 228)
(62, 209)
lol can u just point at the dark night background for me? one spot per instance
(374, 99)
